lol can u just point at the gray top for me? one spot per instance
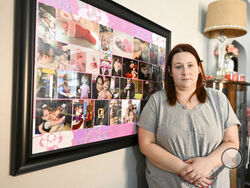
(186, 133)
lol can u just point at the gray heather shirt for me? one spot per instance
(186, 133)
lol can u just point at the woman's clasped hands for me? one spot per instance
(197, 171)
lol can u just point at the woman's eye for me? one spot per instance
(190, 65)
(178, 67)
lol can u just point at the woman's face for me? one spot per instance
(185, 71)
(99, 85)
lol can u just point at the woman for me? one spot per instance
(184, 130)
(98, 86)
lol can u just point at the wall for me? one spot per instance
(122, 168)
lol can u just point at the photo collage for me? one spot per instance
(89, 75)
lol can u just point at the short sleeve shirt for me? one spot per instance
(186, 133)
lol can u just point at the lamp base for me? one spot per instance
(220, 74)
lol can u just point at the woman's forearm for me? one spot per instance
(215, 156)
(162, 158)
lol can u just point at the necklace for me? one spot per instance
(184, 105)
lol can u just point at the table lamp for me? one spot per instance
(225, 19)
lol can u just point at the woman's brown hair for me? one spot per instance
(169, 82)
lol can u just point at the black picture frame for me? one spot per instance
(22, 160)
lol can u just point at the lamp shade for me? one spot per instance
(226, 17)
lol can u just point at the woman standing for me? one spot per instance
(184, 130)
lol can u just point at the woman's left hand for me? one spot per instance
(199, 168)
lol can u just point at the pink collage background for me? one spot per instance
(58, 140)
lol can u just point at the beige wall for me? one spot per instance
(122, 168)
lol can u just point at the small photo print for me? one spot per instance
(122, 44)
(101, 113)
(105, 38)
(141, 50)
(115, 112)
(116, 94)
(64, 61)
(78, 59)
(93, 60)
(130, 68)
(46, 21)
(78, 117)
(150, 87)
(145, 71)
(76, 30)
(89, 112)
(130, 110)
(83, 86)
(46, 83)
(105, 63)
(161, 57)
(117, 65)
(52, 54)
(130, 89)
(66, 84)
(103, 87)
(153, 53)
(53, 116)
(157, 74)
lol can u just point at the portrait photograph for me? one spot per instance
(115, 112)
(116, 65)
(141, 50)
(83, 85)
(78, 117)
(130, 68)
(153, 54)
(105, 38)
(105, 63)
(66, 84)
(89, 112)
(46, 83)
(53, 116)
(145, 71)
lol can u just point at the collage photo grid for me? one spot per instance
(88, 75)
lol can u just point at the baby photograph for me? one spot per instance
(52, 54)
(122, 44)
(83, 86)
(46, 21)
(105, 38)
(66, 84)
(105, 63)
(78, 59)
(76, 30)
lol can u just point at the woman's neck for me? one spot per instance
(184, 93)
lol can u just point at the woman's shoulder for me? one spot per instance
(215, 94)
(159, 95)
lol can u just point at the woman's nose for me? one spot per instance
(185, 70)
